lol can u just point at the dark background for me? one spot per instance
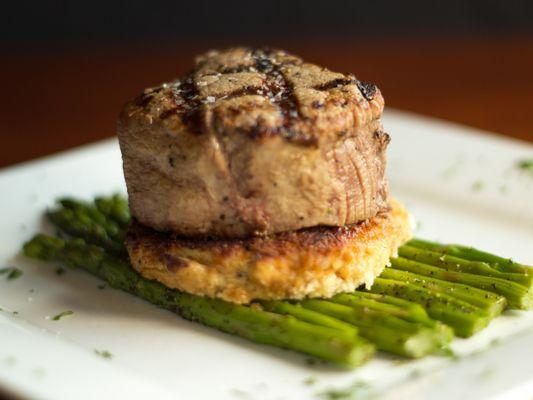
(68, 22)
(67, 66)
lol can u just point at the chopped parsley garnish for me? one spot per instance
(487, 373)
(12, 273)
(478, 186)
(415, 373)
(60, 270)
(526, 165)
(310, 381)
(39, 372)
(352, 391)
(10, 360)
(104, 354)
(241, 394)
(62, 314)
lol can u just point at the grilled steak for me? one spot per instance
(254, 142)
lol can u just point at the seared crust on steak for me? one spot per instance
(312, 262)
(254, 142)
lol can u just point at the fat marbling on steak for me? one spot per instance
(254, 142)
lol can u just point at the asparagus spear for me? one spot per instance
(518, 296)
(387, 332)
(115, 208)
(464, 318)
(79, 224)
(411, 312)
(284, 331)
(472, 254)
(493, 304)
(112, 228)
(303, 314)
(451, 263)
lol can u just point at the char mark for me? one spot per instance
(336, 83)
(367, 89)
(281, 93)
(188, 105)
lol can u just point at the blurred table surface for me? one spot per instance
(61, 98)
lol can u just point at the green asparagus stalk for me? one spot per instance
(518, 296)
(284, 331)
(304, 314)
(464, 318)
(410, 312)
(79, 224)
(113, 229)
(114, 208)
(387, 332)
(469, 253)
(451, 263)
(413, 308)
(493, 304)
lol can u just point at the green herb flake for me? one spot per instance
(478, 186)
(104, 354)
(487, 373)
(39, 372)
(10, 361)
(525, 165)
(62, 314)
(309, 381)
(60, 270)
(351, 392)
(12, 273)
(415, 373)
(241, 394)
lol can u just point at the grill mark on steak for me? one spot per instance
(281, 93)
(245, 91)
(367, 89)
(336, 83)
(276, 87)
(188, 105)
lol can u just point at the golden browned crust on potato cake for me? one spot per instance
(311, 262)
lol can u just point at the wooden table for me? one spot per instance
(57, 99)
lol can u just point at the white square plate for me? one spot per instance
(461, 186)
